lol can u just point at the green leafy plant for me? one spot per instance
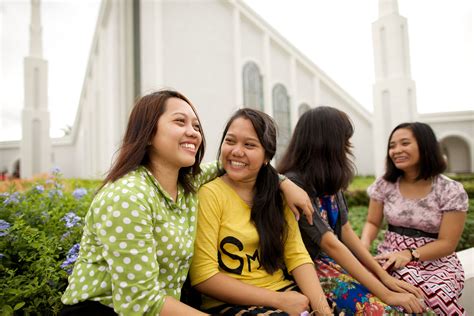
(38, 227)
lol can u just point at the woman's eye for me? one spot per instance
(250, 145)
(197, 128)
(180, 121)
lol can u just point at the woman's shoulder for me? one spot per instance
(445, 185)
(380, 187)
(450, 194)
(216, 187)
(133, 182)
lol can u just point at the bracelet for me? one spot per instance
(281, 178)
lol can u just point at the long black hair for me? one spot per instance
(267, 211)
(431, 161)
(320, 149)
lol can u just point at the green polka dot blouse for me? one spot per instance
(137, 244)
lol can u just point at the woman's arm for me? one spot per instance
(336, 250)
(307, 280)
(209, 171)
(450, 232)
(372, 225)
(173, 307)
(232, 291)
(353, 243)
(297, 199)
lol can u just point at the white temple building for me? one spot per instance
(222, 55)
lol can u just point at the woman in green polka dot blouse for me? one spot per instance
(139, 232)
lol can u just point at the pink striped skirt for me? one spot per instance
(441, 280)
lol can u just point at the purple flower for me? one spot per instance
(53, 192)
(71, 219)
(13, 198)
(79, 193)
(39, 188)
(4, 225)
(55, 171)
(71, 257)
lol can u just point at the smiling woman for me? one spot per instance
(139, 231)
(247, 239)
(426, 212)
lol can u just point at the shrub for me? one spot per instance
(38, 227)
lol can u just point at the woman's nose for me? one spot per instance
(192, 132)
(237, 151)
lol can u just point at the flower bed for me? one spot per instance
(40, 228)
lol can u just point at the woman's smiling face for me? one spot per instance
(178, 135)
(242, 154)
(403, 150)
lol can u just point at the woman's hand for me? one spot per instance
(395, 260)
(409, 302)
(400, 286)
(297, 199)
(292, 302)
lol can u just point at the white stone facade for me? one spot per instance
(201, 49)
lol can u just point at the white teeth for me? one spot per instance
(187, 145)
(237, 163)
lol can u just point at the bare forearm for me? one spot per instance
(355, 245)
(437, 249)
(341, 254)
(232, 291)
(173, 307)
(369, 233)
(308, 281)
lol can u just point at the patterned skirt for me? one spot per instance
(240, 310)
(350, 296)
(441, 280)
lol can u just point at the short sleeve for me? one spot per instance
(204, 264)
(295, 250)
(343, 209)
(312, 234)
(453, 197)
(378, 189)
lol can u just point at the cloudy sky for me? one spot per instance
(335, 35)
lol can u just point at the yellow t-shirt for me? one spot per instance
(227, 242)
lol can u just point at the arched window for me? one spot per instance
(253, 88)
(281, 114)
(303, 108)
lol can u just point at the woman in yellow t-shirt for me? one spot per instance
(249, 255)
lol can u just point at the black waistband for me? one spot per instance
(411, 232)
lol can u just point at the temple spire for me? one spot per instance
(35, 145)
(36, 45)
(388, 7)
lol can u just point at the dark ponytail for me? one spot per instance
(268, 217)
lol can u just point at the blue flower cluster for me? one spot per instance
(4, 226)
(39, 188)
(12, 198)
(55, 171)
(79, 193)
(71, 257)
(71, 219)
